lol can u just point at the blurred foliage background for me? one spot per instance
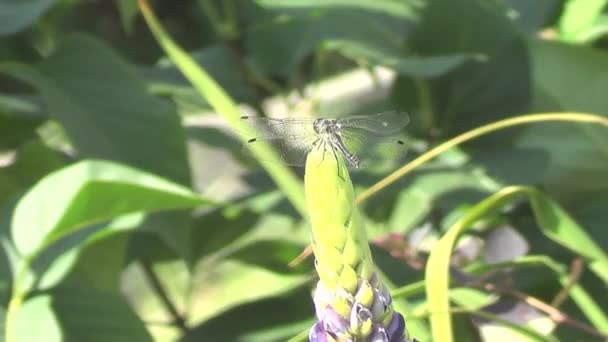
(102, 139)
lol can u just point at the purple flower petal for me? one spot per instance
(359, 314)
(317, 333)
(396, 328)
(334, 323)
(379, 334)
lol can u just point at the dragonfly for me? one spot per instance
(357, 138)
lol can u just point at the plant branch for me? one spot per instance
(475, 133)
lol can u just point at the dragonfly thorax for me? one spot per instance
(326, 126)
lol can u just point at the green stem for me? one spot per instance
(17, 297)
(213, 15)
(425, 103)
(475, 133)
(13, 306)
(230, 22)
(178, 319)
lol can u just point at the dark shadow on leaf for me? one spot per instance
(274, 255)
(267, 320)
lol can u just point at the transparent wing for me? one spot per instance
(290, 128)
(292, 138)
(382, 123)
(291, 151)
(371, 147)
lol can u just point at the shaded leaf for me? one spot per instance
(272, 319)
(230, 283)
(16, 15)
(398, 8)
(409, 65)
(33, 160)
(223, 66)
(86, 314)
(105, 108)
(18, 119)
(278, 47)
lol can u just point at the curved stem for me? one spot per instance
(477, 132)
(17, 297)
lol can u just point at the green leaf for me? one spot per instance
(38, 309)
(90, 192)
(553, 83)
(532, 16)
(397, 8)
(578, 16)
(87, 314)
(223, 66)
(16, 15)
(105, 109)
(571, 170)
(409, 65)
(552, 221)
(229, 284)
(276, 324)
(479, 91)
(99, 257)
(128, 13)
(450, 27)
(78, 314)
(278, 47)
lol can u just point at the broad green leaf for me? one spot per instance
(78, 314)
(409, 65)
(579, 16)
(37, 309)
(553, 83)
(278, 47)
(16, 15)
(453, 27)
(105, 109)
(552, 221)
(231, 283)
(269, 320)
(223, 66)
(89, 258)
(478, 92)
(571, 170)
(532, 16)
(86, 193)
(598, 30)
(397, 8)
(86, 314)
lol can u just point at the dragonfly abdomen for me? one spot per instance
(337, 143)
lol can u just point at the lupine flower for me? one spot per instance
(351, 302)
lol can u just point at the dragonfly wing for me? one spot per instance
(293, 128)
(371, 147)
(290, 151)
(382, 123)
